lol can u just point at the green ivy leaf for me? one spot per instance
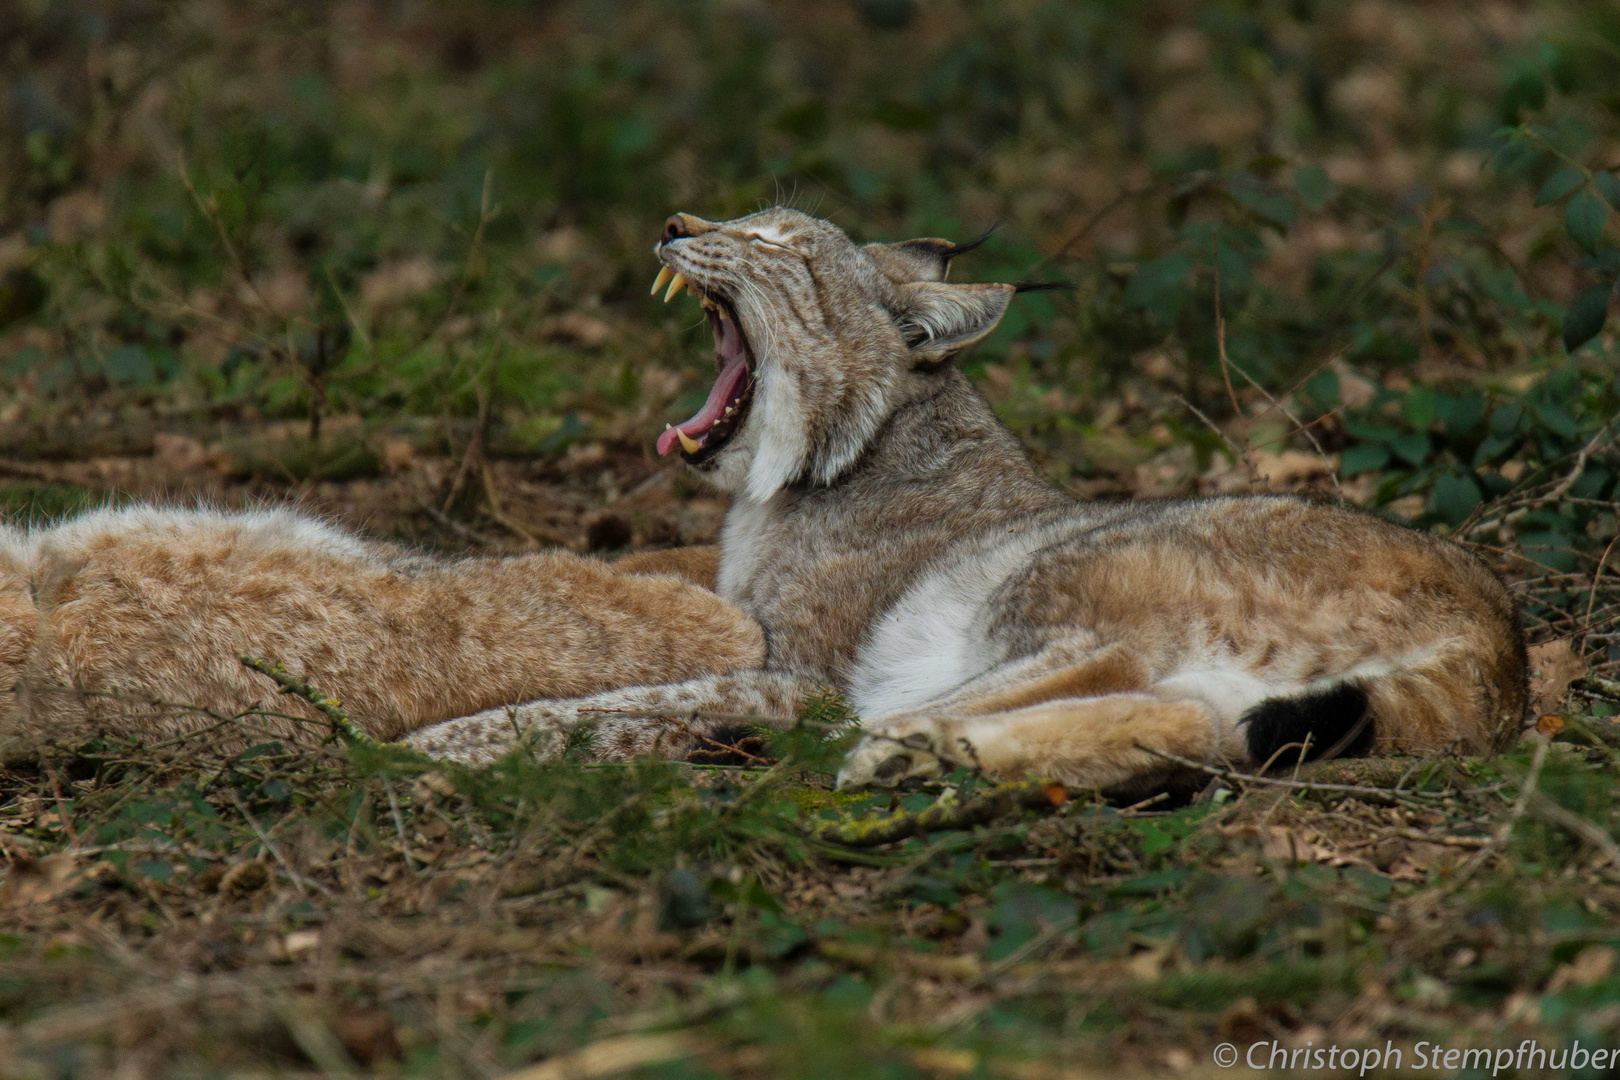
(1360, 459)
(1550, 549)
(1273, 206)
(1586, 315)
(1454, 498)
(1559, 184)
(1460, 415)
(1609, 185)
(1412, 449)
(1558, 419)
(1313, 185)
(1418, 406)
(1584, 216)
(1157, 285)
(129, 365)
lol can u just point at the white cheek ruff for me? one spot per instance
(783, 447)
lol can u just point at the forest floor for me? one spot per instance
(319, 908)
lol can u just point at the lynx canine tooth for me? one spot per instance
(689, 444)
(675, 284)
(664, 274)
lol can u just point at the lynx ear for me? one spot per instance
(925, 259)
(939, 320)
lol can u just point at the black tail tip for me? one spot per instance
(1328, 717)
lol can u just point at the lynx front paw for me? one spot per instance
(890, 758)
(484, 738)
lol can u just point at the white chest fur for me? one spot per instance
(933, 639)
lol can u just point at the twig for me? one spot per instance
(1225, 773)
(1237, 454)
(1096, 218)
(1045, 795)
(329, 707)
(493, 497)
(1556, 492)
(612, 1057)
(453, 525)
(1545, 808)
(1527, 791)
(1596, 684)
(1597, 575)
(304, 884)
(399, 825)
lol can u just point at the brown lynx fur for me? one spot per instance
(894, 541)
(106, 614)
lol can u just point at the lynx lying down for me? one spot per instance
(894, 541)
(109, 614)
(888, 537)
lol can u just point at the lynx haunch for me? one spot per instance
(888, 538)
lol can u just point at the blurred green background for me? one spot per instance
(373, 216)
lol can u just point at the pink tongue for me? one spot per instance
(728, 387)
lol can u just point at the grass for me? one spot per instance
(351, 906)
(390, 263)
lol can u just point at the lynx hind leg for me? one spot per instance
(1100, 742)
(1074, 711)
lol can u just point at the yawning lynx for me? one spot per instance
(895, 543)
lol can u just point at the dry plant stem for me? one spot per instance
(1300, 427)
(1096, 218)
(313, 1037)
(473, 457)
(1044, 795)
(411, 860)
(1591, 596)
(492, 495)
(612, 1057)
(1238, 454)
(1598, 442)
(1390, 794)
(441, 518)
(303, 883)
(331, 708)
(1595, 684)
(1499, 838)
(1547, 810)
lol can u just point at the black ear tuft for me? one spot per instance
(1043, 286)
(1330, 717)
(962, 249)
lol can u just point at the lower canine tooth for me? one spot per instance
(661, 280)
(689, 444)
(675, 285)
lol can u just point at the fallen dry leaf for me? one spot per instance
(1553, 666)
(609, 1057)
(1591, 965)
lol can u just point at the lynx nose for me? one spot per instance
(680, 226)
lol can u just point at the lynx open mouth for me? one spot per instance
(703, 436)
